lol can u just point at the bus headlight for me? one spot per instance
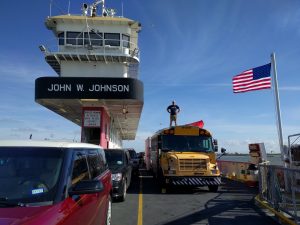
(172, 165)
(214, 171)
(172, 171)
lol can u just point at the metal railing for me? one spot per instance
(280, 188)
(92, 46)
(294, 150)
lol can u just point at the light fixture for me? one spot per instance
(124, 111)
(42, 48)
(63, 110)
(89, 100)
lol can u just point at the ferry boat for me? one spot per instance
(246, 172)
(96, 58)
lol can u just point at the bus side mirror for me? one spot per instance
(215, 142)
(223, 150)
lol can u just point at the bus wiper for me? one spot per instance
(4, 202)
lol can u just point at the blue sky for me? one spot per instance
(190, 50)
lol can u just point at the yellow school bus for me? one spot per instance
(185, 156)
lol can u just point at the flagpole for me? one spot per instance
(278, 113)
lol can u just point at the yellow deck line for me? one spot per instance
(140, 208)
(278, 214)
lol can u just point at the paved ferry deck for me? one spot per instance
(145, 204)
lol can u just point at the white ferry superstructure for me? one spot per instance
(96, 58)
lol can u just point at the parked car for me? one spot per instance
(119, 163)
(54, 183)
(134, 161)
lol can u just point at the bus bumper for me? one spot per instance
(193, 181)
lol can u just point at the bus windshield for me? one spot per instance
(186, 143)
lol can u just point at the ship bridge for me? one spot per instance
(93, 45)
(96, 58)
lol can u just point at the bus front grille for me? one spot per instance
(192, 164)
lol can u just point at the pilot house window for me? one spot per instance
(74, 38)
(126, 40)
(92, 38)
(61, 38)
(112, 39)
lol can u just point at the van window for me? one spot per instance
(104, 164)
(30, 174)
(95, 163)
(80, 168)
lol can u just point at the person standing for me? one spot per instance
(173, 110)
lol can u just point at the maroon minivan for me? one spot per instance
(54, 183)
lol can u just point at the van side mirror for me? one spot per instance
(86, 187)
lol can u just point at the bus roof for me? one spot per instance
(184, 130)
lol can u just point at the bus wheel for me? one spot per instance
(213, 188)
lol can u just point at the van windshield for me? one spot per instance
(187, 143)
(29, 174)
(114, 157)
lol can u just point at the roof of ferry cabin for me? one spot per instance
(51, 22)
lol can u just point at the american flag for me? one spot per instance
(254, 79)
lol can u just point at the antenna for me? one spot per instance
(103, 7)
(93, 9)
(84, 9)
(50, 8)
(69, 7)
(122, 9)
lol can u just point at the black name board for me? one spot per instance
(88, 88)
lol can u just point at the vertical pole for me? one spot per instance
(279, 127)
(50, 8)
(69, 7)
(103, 7)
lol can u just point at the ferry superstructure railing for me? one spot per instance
(280, 188)
(80, 45)
(92, 50)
